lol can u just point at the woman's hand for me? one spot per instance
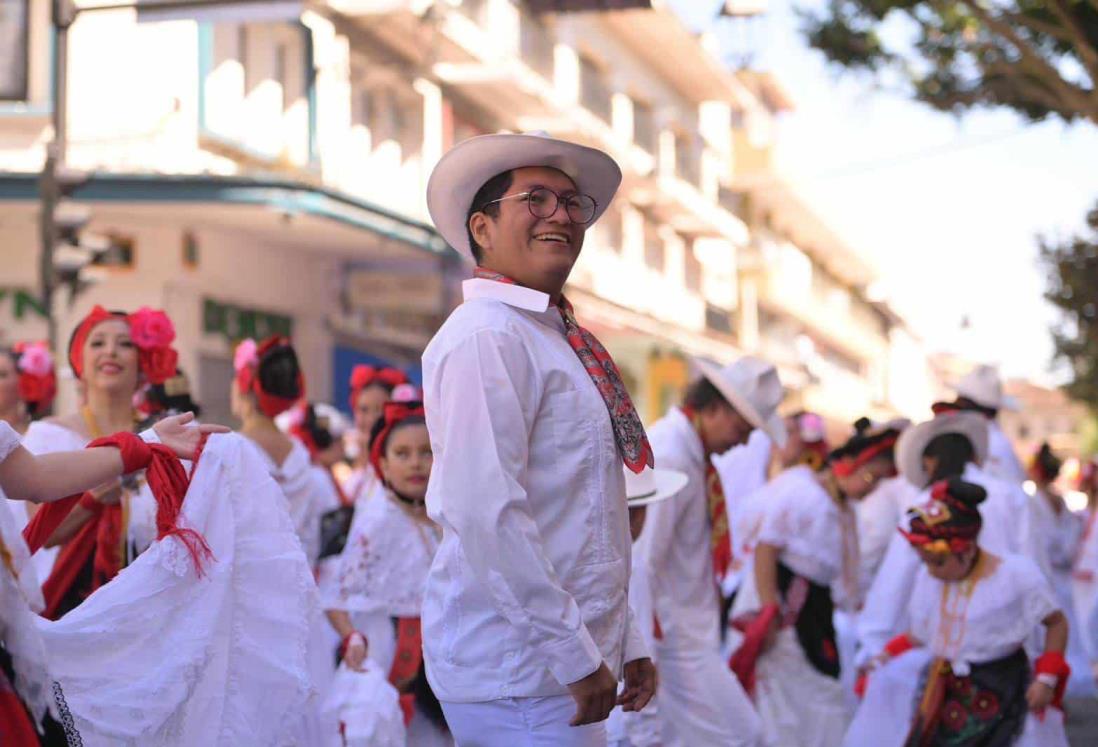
(181, 436)
(355, 653)
(1039, 696)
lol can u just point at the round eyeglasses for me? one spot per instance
(543, 203)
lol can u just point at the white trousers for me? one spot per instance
(521, 722)
(701, 703)
(798, 704)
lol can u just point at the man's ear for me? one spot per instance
(478, 227)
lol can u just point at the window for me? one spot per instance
(644, 127)
(692, 268)
(687, 159)
(594, 92)
(536, 44)
(653, 245)
(14, 41)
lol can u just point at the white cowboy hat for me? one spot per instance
(652, 485)
(465, 168)
(752, 387)
(983, 386)
(914, 440)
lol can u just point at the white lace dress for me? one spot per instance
(20, 600)
(381, 575)
(817, 540)
(161, 656)
(992, 620)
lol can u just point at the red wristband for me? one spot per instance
(136, 454)
(901, 644)
(1052, 662)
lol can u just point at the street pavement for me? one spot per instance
(1082, 722)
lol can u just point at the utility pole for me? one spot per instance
(62, 14)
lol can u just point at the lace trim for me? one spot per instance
(64, 717)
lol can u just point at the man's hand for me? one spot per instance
(595, 696)
(179, 434)
(1038, 696)
(641, 680)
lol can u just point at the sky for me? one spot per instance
(947, 208)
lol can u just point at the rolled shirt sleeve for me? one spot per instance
(492, 390)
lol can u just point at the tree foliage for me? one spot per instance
(1038, 57)
(1073, 289)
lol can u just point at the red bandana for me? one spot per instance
(633, 444)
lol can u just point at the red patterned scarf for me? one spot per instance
(633, 444)
(720, 536)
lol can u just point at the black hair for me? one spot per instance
(952, 452)
(173, 396)
(492, 189)
(865, 436)
(968, 493)
(1048, 463)
(279, 372)
(380, 425)
(317, 429)
(703, 393)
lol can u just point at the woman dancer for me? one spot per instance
(807, 545)
(112, 354)
(973, 611)
(377, 595)
(24, 676)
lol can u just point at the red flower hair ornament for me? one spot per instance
(152, 333)
(363, 376)
(37, 378)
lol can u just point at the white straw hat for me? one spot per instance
(466, 167)
(984, 386)
(652, 485)
(752, 387)
(914, 440)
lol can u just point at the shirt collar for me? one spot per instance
(512, 295)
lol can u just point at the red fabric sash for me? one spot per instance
(406, 663)
(16, 727)
(100, 539)
(629, 432)
(720, 536)
(744, 659)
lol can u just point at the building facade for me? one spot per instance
(263, 168)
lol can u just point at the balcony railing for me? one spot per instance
(687, 160)
(645, 133)
(732, 200)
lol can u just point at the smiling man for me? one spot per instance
(526, 622)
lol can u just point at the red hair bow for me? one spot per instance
(363, 376)
(394, 414)
(247, 379)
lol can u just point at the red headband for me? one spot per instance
(944, 523)
(363, 376)
(394, 414)
(848, 465)
(152, 333)
(247, 376)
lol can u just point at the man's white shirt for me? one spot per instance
(528, 590)
(676, 541)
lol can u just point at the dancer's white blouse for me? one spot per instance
(20, 600)
(384, 565)
(971, 622)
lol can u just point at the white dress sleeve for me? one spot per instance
(805, 526)
(9, 440)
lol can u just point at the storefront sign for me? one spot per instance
(238, 322)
